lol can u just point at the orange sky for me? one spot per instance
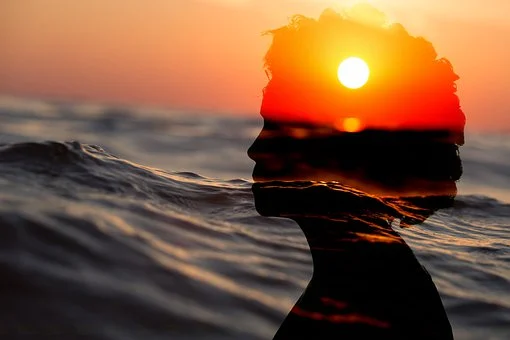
(207, 54)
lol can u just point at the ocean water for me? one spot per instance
(127, 223)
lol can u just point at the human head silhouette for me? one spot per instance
(405, 155)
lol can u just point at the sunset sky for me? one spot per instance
(207, 54)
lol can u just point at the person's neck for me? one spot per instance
(341, 247)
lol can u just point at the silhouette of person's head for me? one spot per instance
(345, 163)
(408, 120)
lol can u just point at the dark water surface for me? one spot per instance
(94, 245)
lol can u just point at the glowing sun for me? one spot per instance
(353, 73)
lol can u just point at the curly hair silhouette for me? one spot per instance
(409, 87)
(346, 190)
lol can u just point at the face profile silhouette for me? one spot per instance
(346, 185)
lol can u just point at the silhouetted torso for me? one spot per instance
(364, 287)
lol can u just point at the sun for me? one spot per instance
(353, 73)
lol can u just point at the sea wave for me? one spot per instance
(97, 247)
(94, 245)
